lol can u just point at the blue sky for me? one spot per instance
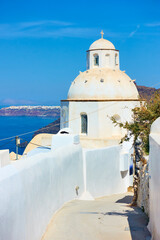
(43, 44)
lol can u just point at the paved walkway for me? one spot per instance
(105, 218)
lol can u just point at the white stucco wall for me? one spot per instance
(106, 59)
(99, 113)
(154, 183)
(34, 188)
(103, 172)
(60, 140)
(31, 190)
(4, 158)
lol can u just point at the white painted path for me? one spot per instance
(105, 218)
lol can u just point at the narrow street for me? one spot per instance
(105, 218)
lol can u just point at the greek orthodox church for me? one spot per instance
(86, 164)
(101, 92)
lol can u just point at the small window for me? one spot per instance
(84, 123)
(107, 59)
(116, 59)
(96, 60)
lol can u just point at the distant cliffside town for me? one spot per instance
(54, 111)
(50, 111)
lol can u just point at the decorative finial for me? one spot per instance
(102, 33)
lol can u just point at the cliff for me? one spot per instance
(146, 92)
(52, 128)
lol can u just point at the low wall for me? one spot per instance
(103, 172)
(34, 188)
(154, 171)
(4, 158)
(31, 190)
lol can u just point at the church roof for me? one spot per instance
(103, 84)
(102, 44)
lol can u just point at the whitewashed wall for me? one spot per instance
(32, 190)
(154, 171)
(103, 172)
(99, 114)
(104, 61)
(4, 158)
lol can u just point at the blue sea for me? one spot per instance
(13, 126)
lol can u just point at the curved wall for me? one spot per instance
(103, 172)
(32, 190)
(99, 113)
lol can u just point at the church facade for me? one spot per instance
(101, 92)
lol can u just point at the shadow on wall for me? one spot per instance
(124, 173)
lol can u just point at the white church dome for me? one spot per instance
(102, 84)
(101, 44)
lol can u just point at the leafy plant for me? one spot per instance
(139, 128)
(143, 117)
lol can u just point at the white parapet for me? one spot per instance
(4, 158)
(61, 140)
(33, 189)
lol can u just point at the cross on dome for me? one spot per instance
(102, 33)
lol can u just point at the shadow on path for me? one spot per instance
(126, 199)
(109, 218)
(137, 219)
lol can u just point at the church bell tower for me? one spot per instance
(102, 54)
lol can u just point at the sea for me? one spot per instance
(13, 126)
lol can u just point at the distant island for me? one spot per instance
(38, 111)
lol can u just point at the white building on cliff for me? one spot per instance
(97, 94)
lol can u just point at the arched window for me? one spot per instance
(64, 117)
(116, 59)
(107, 56)
(84, 123)
(96, 60)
